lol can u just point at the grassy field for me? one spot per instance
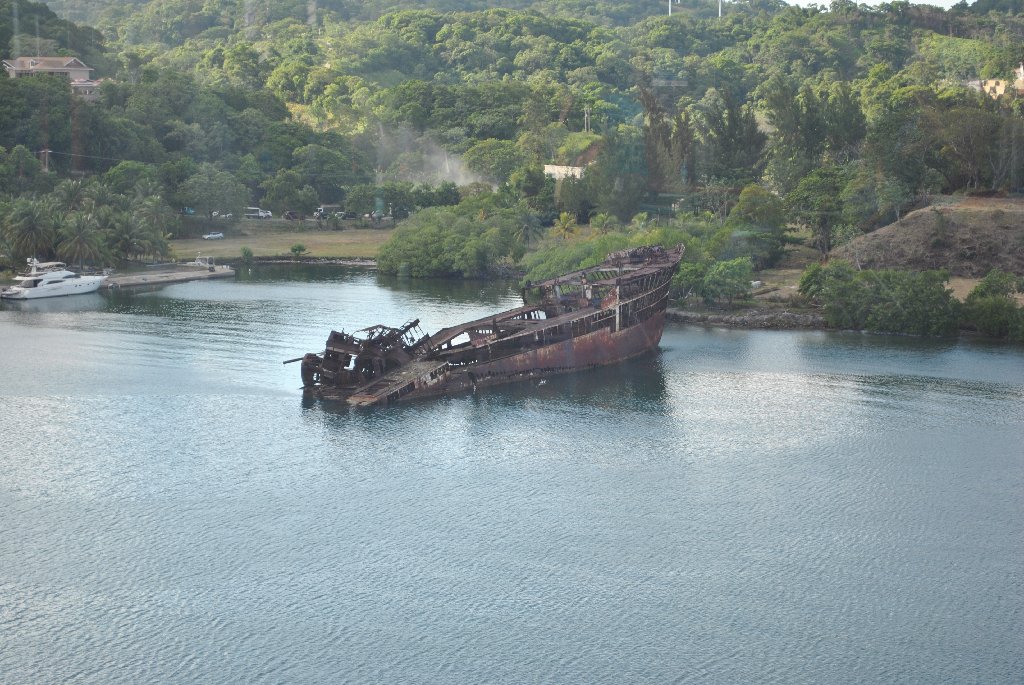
(275, 239)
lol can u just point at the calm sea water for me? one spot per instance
(774, 507)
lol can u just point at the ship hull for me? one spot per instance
(586, 319)
(589, 351)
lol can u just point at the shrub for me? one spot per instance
(883, 301)
(992, 315)
(991, 309)
(728, 280)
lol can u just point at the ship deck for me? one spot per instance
(394, 382)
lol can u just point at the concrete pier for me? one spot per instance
(157, 278)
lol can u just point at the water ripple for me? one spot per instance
(741, 507)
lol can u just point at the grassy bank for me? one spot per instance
(277, 242)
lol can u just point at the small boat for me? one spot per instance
(50, 279)
(593, 317)
(202, 262)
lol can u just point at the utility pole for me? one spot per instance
(16, 41)
(670, 8)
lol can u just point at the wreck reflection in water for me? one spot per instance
(635, 383)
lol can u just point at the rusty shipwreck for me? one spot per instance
(588, 318)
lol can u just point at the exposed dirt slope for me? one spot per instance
(969, 237)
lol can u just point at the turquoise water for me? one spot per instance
(743, 506)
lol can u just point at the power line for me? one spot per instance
(73, 154)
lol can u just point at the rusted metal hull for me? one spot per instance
(588, 351)
(590, 318)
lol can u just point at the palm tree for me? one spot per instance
(159, 243)
(103, 214)
(155, 213)
(565, 225)
(128, 238)
(529, 230)
(639, 222)
(103, 196)
(6, 251)
(69, 194)
(30, 226)
(602, 222)
(148, 188)
(80, 239)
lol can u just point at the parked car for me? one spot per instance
(222, 215)
(325, 211)
(257, 213)
(216, 235)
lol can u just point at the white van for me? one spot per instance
(257, 213)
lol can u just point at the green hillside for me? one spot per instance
(846, 117)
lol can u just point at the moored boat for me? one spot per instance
(50, 279)
(588, 318)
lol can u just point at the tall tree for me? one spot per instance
(759, 219)
(816, 203)
(80, 239)
(733, 141)
(211, 189)
(30, 228)
(796, 144)
(845, 125)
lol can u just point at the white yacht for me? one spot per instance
(50, 279)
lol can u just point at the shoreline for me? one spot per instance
(779, 317)
(366, 262)
(753, 318)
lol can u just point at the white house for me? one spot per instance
(71, 68)
(559, 172)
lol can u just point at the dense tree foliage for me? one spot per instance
(468, 240)
(838, 118)
(87, 223)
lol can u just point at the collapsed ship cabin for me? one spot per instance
(351, 359)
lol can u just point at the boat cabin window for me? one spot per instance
(460, 339)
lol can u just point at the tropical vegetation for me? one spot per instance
(725, 133)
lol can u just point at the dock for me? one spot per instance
(182, 274)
